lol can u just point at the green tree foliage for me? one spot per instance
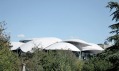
(96, 64)
(53, 61)
(114, 27)
(115, 14)
(111, 55)
(105, 61)
(4, 38)
(8, 60)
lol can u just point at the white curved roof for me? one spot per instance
(94, 48)
(40, 43)
(16, 45)
(85, 46)
(62, 46)
(77, 40)
(78, 43)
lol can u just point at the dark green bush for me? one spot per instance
(105, 61)
(96, 64)
(54, 61)
(114, 59)
(9, 61)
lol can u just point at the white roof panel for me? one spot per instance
(77, 40)
(16, 45)
(94, 48)
(62, 46)
(39, 42)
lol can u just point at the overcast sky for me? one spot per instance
(84, 19)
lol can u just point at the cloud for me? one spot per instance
(21, 35)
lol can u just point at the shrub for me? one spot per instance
(54, 61)
(9, 61)
(96, 64)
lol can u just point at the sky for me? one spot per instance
(87, 20)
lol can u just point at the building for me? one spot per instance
(81, 48)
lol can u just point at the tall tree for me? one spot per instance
(4, 38)
(115, 27)
(8, 60)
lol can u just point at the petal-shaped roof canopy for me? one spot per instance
(85, 46)
(78, 43)
(94, 48)
(39, 43)
(77, 40)
(16, 45)
(62, 46)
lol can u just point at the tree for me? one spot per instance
(114, 27)
(8, 60)
(53, 61)
(4, 38)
